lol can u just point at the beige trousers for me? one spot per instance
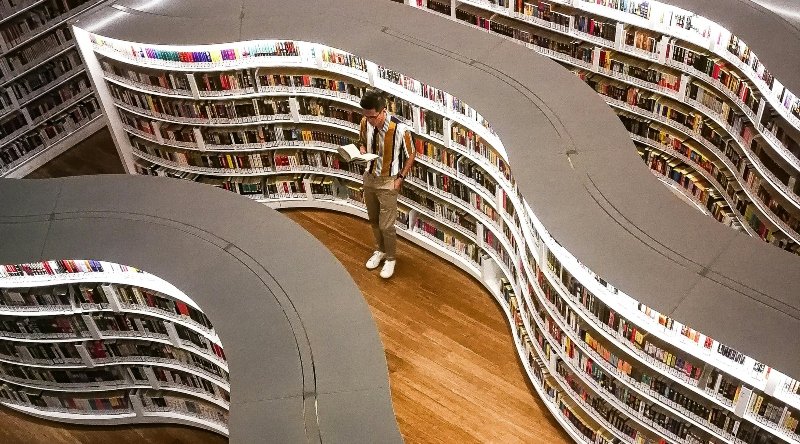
(381, 199)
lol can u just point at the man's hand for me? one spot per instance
(362, 149)
(398, 182)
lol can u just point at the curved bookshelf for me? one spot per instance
(663, 376)
(105, 328)
(42, 113)
(539, 24)
(176, 371)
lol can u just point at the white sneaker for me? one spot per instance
(388, 269)
(375, 260)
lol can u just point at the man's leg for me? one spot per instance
(388, 216)
(373, 212)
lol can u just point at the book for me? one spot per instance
(351, 153)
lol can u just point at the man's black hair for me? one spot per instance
(373, 99)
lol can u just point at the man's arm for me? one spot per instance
(411, 153)
(362, 136)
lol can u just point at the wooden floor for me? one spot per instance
(20, 428)
(454, 373)
(95, 155)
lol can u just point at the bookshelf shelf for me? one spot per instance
(11, 12)
(772, 217)
(682, 193)
(32, 284)
(40, 60)
(220, 65)
(70, 415)
(659, 55)
(53, 147)
(63, 78)
(721, 190)
(46, 27)
(38, 57)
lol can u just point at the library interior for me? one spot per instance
(380, 221)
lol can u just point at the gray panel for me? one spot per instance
(23, 240)
(15, 200)
(282, 424)
(336, 427)
(752, 333)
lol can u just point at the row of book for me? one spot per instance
(419, 88)
(49, 73)
(269, 135)
(196, 408)
(33, 20)
(714, 417)
(58, 267)
(53, 100)
(71, 119)
(778, 414)
(48, 353)
(16, 394)
(445, 237)
(168, 377)
(441, 209)
(311, 106)
(743, 97)
(681, 175)
(114, 323)
(263, 162)
(310, 81)
(202, 110)
(166, 80)
(38, 50)
(44, 376)
(612, 61)
(225, 82)
(330, 55)
(641, 39)
(134, 297)
(249, 50)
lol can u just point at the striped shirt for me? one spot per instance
(393, 146)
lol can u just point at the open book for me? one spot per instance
(351, 153)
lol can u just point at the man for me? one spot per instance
(390, 139)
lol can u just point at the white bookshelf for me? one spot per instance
(659, 23)
(184, 357)
(37, 141)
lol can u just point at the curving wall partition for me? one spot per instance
(291, 379)
(602, 282)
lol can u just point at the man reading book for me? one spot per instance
(387, 137)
